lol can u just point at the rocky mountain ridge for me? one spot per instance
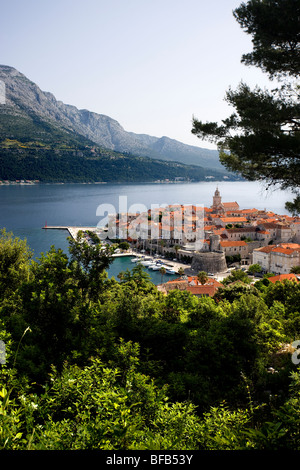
(25, 99)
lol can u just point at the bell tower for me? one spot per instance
(217, 200)
(217, 206)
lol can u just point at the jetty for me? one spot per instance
(71, 229)
(73, 233)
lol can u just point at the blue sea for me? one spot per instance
(25, 209)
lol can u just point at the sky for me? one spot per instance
(149, 64)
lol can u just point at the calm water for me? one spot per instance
(24, 210)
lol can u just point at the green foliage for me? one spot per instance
(10, 427)
(223, 429)
(233, 258)
(14, 263)
(202, 277)
(82, 164)
(260, 140)
(94, 363)
(124, 246)
(234, 291)
(295, 270)
(274, 28)
(254, 268)
(236, 275)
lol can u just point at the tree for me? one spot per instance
(50, 306)
(295, 270)
(89, 263)
(162, 244)
(202, 277)
(15, 257)
(181, 271)
(254, 268)
(177, 248)
(162, 272)
(124, 246)
(261, 139)
(237, 275)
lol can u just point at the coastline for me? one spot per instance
(176, 265)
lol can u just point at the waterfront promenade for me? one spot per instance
(176, 265)
(73, 231)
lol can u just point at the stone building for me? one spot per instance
(193, 285)
(212, 261)
(277, 259)
(219, 207)
(232, 248)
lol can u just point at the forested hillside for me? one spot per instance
(99, 363)
(50, 135)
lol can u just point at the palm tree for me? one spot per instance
(202, 277)
(181, 271)
(162, 272)
(162, 244)
(177, 248)
(295, 270)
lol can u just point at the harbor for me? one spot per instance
(153, 263)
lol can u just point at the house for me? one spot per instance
(278, 230)
(261, 256)
(232, 221)
(234, 248)
(277, 259)
(192, 284)
(240, 233)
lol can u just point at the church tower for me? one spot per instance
(217, 206)
(217, 200)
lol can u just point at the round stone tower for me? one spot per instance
(213, 261)
(210, 262)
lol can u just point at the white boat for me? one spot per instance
(146, 262)
(152, 266)
(156, 267)
(134, 260)
(163, 266)
(170, 271)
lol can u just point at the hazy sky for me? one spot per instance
(149, 64)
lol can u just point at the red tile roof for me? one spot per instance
(284, 251)
(192, 285)
(202, 290)
(228, 243)
(266, 249)
(231, 204)
(234, 219)
(282, 277)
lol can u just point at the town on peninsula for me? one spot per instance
(212, 240)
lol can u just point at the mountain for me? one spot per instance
(33, 121)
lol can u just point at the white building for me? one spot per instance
(277, 259)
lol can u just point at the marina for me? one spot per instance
(153, 263)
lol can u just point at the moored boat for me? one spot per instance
(170, 271)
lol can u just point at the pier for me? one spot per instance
(72, 230)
